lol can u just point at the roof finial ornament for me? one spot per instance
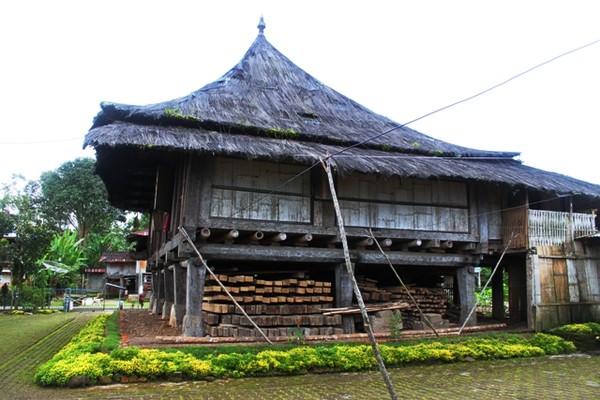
(261, 26)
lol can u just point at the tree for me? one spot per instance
(25, 235)
(65, 217)
(72, 196)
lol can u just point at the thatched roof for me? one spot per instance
(268, 108)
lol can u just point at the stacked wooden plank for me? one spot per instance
(250, 290)
(429, 300)
(371, 292)
(285, 307)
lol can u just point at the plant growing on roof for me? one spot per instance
(281, 133)
(175, 113)
(415, 145)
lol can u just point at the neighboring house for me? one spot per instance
(122, 269)
(95, 278)
(237, 165)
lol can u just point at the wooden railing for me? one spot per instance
(529, 228)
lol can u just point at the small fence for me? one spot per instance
(530, 228)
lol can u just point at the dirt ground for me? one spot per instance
(140, 328)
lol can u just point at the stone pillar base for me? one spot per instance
(158, 307)
(166, 310)
(177, 314)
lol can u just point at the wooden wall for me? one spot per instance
(566, 286)
(371, 201)
(265, 191)
(260, 191)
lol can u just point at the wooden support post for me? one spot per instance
(169, 294)
(192, 321)
(465, 279)
(154, 295)
(179, 286)
(343, 296)
(160, 298)
(498, 295)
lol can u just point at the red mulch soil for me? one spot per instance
(139, 327)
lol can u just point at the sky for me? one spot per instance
(402, 59)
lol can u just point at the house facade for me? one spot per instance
(237, 167)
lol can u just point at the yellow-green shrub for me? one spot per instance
(82, 358)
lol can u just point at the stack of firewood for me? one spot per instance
(286, 307)
(429, 300)
(371, 292)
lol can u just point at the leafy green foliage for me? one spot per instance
(66, 249)
(73, 196)
(21, 218)
(587, 328)
(396, 325)
(552, 344)
(47, 219)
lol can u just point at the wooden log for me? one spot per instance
(466, 246)
(278, 237)
(364, 242)
(304, 239)
(204, 233)
(433, 243)
(411, 244)
(386, 242)
(256, 237)
(228, 237)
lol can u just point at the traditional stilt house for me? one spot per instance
(236, 164)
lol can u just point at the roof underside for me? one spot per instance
(268, 108)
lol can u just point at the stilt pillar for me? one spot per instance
(343, 295)
(179, 290)
(465, 280)
(192, 321)
(169, 293)
(498, 295)
(160, 293)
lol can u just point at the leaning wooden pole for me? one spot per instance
(423, 316)
(359, 299)
(512, 236)
(189, 240)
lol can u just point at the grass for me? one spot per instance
(18, 333)
(27, 341)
